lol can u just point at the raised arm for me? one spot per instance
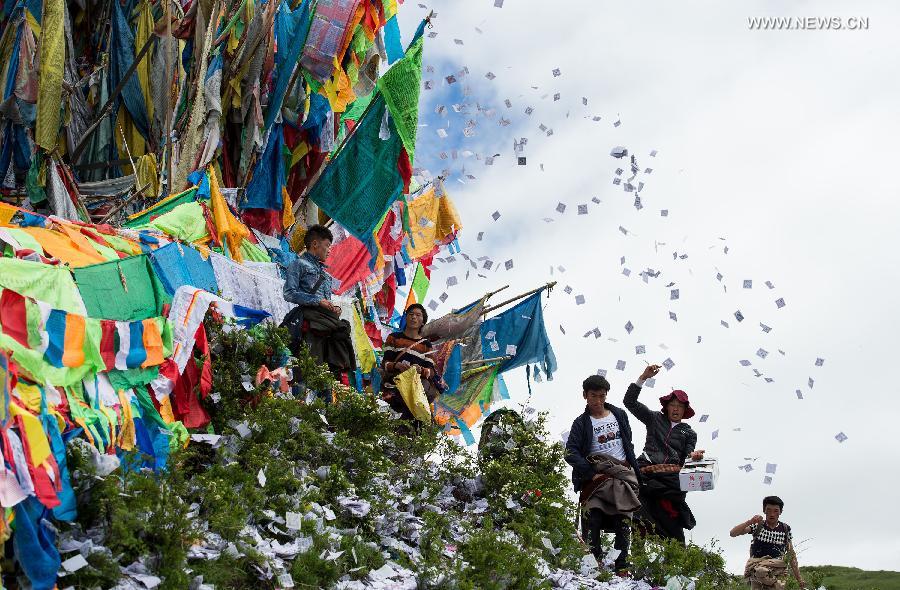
(640, 411)
(746, 526)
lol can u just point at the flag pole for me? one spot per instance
(548, 286)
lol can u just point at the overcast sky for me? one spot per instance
(780, 146)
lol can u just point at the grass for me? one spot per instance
(833, 577)
(850, 578)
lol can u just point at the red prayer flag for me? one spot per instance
(12, 316)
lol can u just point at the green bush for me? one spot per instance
(314, 453)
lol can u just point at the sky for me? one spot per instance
(774, 158)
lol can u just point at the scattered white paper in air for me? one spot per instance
(261, 478)
(582, 209)
(704, 417)
(780, 302)
(715, 434)
(810, 382)
(762, 353)
(561, 208)
(508, 264)
(511, 349)
(674, 294)
(556, 73)
(640, 349)
(765, 328)
(629, 327)
(840, 437)
(748, 284)
(579, 299)
(820, 362)
(668, 364)
(744, 363)
(799, 394)
(620, 365)
(739, 316)
(767, 480)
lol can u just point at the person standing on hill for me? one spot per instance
(604, 470)
(670, 442)
(771, 549)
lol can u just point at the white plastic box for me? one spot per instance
(699, 476)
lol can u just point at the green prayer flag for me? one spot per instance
(478, 388)
(184, 222)
(420, 283)
(126, 289)
(400, 87)
(161, 208)
(131, 378)
(44, 282)
(359, 185)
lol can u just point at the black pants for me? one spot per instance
(597, 522)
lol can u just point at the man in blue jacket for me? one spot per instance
(602, 436)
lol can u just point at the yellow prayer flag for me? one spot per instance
(230, 230)
(409, 383)
(53, 54)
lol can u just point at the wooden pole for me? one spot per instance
(518, 297)
(492, 293)
(485, 361)
(123, 204)
(109, 103)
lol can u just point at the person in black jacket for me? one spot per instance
(670, 442)
(602, 429)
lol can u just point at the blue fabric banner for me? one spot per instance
(519, 332)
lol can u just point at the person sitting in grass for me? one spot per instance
(771, 549)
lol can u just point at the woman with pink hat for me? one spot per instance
(670, 442)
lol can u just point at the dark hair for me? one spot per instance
(773, 501)
(420, 308)
(316, 232)
(595, 383)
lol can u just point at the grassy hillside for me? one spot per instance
(833, 577)
(850, 578)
